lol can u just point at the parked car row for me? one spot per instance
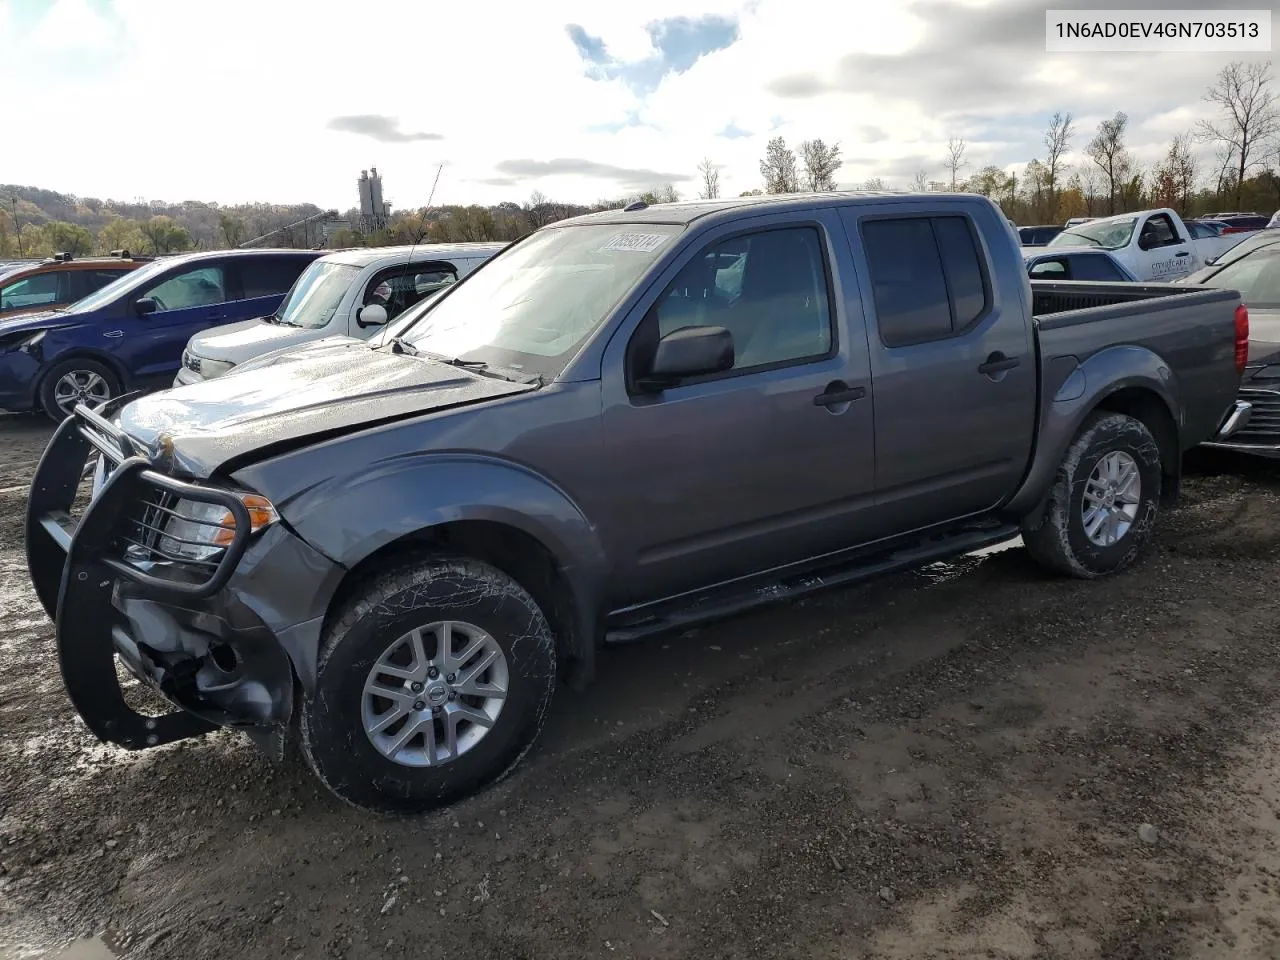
(86, 331)
(624, 424)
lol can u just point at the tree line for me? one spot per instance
(1242, 172)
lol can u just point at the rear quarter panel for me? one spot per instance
(1180, 347)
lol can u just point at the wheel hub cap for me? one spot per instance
(434, 693)
(1111, 498)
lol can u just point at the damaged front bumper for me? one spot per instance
(211, 636)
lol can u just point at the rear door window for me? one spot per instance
(269, 276)
(1094, 266)
(927, 277)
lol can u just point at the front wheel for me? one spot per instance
(77, 381)
(1103, 504)
(432, 682)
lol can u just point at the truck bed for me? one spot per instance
(1183, 328)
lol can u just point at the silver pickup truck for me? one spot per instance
(624, 424)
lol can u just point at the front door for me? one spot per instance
(1163, 253)
(768, 462)
(186, 302)
(953, 364)
(397, 288)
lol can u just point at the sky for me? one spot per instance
(284, 101)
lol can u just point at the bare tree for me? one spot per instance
(779, 168)
(955, 161)
(1250, 115)
(921, 181)
(1090, 184)
(1057, 140)
(820, 165)
(874, 183)
(710, 174)
(536, 210)
(1108, 151)
(1182, 169)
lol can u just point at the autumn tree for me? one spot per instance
(232, 229)
(955, 161)
(165, 234)
(820, 165)
(1057, 141)
(121, 233)
(709, 174)
(61, 237)
(1249, 116)
(1108, 152)
(778, 168)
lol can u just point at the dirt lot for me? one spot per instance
(974, 761)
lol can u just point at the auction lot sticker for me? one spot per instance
(634, 242)
(1154, 31)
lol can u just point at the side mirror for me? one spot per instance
(689, 352)
(372, 315)
(145, 306)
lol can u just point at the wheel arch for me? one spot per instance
(81, 353)
(1124, 379)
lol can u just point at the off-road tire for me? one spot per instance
(1058, 540)
(427, 589)
(60, 370)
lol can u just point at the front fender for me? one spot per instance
(1082, 391)
(350, 518)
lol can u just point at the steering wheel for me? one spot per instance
(160, 304)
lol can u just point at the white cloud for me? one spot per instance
(72, 26)
(232, 101)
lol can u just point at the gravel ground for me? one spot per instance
(977, 760)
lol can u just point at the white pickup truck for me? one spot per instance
(1155, 245)
(349, 293)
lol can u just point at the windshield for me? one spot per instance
(1257, 277)
(532, 307)
(1108, 234)
(125, 282)
(315, 295)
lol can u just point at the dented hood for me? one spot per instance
(326, 389)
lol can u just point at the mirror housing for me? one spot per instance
(372, 315)
(145, 306)
(689, 352)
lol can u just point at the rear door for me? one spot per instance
(952, 360)
(260, 283)
(770, 461)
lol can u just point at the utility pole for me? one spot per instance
(17, 224)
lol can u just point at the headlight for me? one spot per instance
(213, 368)
(203, 530)
(22, 340)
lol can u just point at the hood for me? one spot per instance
(319, 391)
(38, 320)
(248, 338)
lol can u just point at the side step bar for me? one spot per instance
(786, 584)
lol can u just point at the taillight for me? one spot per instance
(1242, 337)
(1227, 230)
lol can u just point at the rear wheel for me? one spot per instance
(77, 381)
(1104, 501)
(432, 682)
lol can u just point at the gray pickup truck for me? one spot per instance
(623, 424)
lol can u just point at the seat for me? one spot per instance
(779, 315)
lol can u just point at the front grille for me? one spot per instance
(191, 362)
(1263, 427)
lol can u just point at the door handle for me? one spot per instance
(837, 393)
(998, 363)
(1184, 253)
